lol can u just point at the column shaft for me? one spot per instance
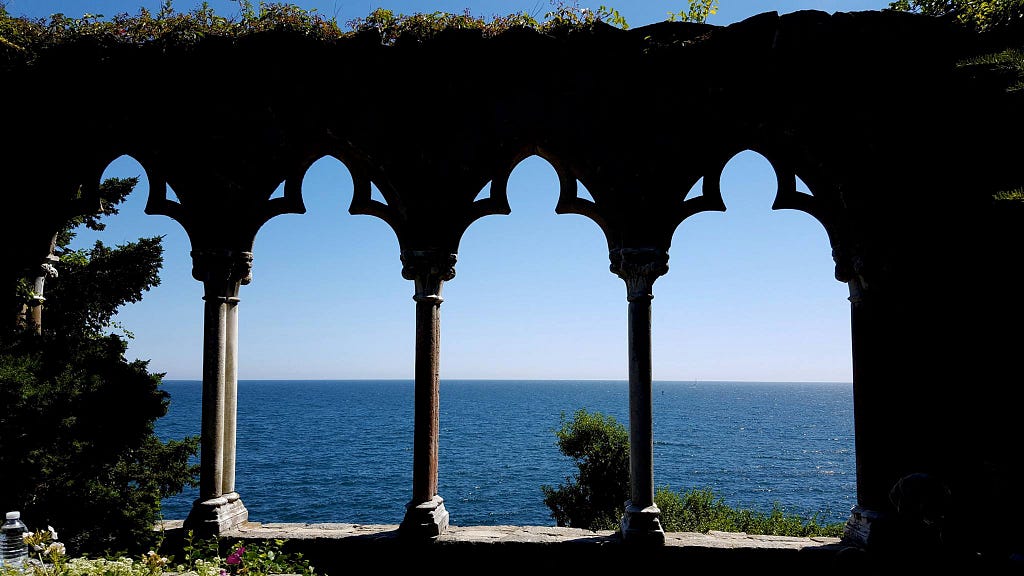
(211, 455)
(875, 440)
(33, 311)
(641, 409)
(36, 315)
(427, 399)
(230, 395)
(866, 439)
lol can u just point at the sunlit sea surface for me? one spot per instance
(341, 450)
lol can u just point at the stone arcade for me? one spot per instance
(901, 146)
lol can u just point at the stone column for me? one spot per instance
(870, 517)
(872, 403)
(222, 272)
(426, 516)
(230, 397)
(640, 267)
(35, 307)
(32, 311)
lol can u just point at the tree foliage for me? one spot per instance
(77, 443)
(77, 448)
(1000, 20)
(93, 284)
(594, 497)
(700, 510)
(699, 11)
(982, 15)
(23, 39)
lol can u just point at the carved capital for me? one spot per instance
(639, 267)
(44, 271)
(849, 261)
(429, 269)
(222, 271)
(851, 269)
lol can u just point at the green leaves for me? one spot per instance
(77, 448)
(21, 40)
(700, 510)
(594, 497)
(1015, 195)
(981, 15)
(612, 16)
(93, 285)
(1004, 68)
(244, 558)
(699, 11)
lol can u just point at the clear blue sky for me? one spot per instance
(750, 294)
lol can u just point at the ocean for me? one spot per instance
(341, 450)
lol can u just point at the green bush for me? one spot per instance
(594, 497)
(77, 442)
(244, 558)
(699, 510)
(77, 447)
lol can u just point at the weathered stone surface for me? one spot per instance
(507, 534)
(333, 548)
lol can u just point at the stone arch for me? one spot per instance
(887, 180)
(765, 293)
(696, 241)
(534, 250)
(357, 253)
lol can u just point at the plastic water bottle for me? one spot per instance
(14, 549)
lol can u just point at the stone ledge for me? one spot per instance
(333, 548)
(520, 534)
(498, 534)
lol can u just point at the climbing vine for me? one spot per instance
(699, 11)
(22, 39)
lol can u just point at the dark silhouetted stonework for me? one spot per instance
(902, 149)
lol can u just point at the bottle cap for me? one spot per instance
(13, 515)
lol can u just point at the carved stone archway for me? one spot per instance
(902, 146)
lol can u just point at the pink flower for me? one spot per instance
(236, 556)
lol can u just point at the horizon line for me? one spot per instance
(694, 380)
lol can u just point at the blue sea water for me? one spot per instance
(341, 450)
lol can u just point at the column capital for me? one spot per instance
(429, 269)
(639, 268)
(44, 271)
(222, 270)
(852, 268)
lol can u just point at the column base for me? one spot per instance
(424, 520)
(642, 525)
(867, 528)
(216, 515)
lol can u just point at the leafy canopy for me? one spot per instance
(699, 11)
(77, 444)
(594, 497)
(22, 39)
(982, 15)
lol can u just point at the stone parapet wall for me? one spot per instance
(340, 548)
